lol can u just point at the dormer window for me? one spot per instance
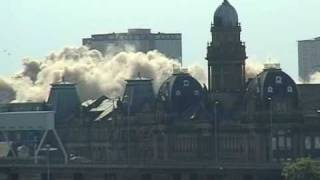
(270, 89)
(178, 93)
(186, 83)
(196, 93)
(289, 89)
(278, 80)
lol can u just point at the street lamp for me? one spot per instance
(48, 148)
(271, 124)
(216, 130)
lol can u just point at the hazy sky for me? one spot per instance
(271, 28)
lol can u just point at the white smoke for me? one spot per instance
(94, 74)
(198, 73)
(7, 93)
(253, 68)
(314, 78)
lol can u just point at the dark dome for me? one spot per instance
(226, 15)
(180, 92)
(272, 82)
(272, 86)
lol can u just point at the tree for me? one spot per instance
(302, 169)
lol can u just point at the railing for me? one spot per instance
(27, 163)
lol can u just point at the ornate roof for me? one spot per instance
(226, 15)
(180, 91)
(272, 82)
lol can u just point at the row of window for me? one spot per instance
(289, 89)
(149, 176)
(312, 142)
(281, 143)
(185, 144)
(186, 83)
(196, 93)
(271, 90)
(136, 36)
(232, 144)
(168, 36)
(146, 176)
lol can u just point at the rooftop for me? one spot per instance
(314, 39)
(134, 34)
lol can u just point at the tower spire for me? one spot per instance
(226, 53)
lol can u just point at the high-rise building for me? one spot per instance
(138, 40)
(309, 58)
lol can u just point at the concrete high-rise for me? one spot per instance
(138, 40)
(309, 58)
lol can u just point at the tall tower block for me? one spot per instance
(226, 53)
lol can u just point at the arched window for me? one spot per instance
(178, 93)
(186, 83)
(270, 89)
(289, 89)
(196, 93)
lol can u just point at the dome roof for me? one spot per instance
(272, 82)
(179, 92)
(226, 15)
(272, 91)
(273, 85)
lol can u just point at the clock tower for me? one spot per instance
(226, 53)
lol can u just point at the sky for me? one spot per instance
(270, 28)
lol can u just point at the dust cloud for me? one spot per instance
(94, 74)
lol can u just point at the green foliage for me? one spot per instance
(302, 169)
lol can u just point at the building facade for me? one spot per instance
(233, 130)
(138, 40)
(309, 58)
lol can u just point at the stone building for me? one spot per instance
(232, 130)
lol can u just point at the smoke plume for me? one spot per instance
(314, 78)
(95, 75)
(253, 68)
